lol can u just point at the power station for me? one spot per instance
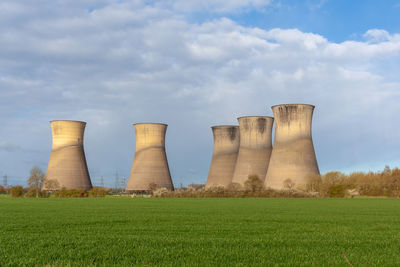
(255, 147)
(239, 151)
(67, 165)
(150, 165)
(293, 156)
(226, 147)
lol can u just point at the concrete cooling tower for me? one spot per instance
(293, 156)
(226, 147)
(150, 165)
(255, 147)
(67, 165)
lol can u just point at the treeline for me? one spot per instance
(35, 183)
(337, 184)
(19, 191)
(332, 184)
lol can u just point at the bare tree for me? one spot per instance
(289, 184)
(234, 187)
(52, 185)
(253, 183)
(153, 186)
(36, 179)
(313, 183)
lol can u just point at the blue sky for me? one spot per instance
(193, 64)
(337, 20)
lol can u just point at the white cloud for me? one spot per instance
(119, 63)
(377, 35)
(316, 4)
(8, 147)
(217, 6)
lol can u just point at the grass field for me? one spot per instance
(199, 232)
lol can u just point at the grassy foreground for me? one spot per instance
(199, 232)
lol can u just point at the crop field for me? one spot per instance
(199, 232)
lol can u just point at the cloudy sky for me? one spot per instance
(193, 64)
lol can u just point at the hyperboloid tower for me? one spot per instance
(150, 165)
(226, 147)
(67, 166)
(254, 149)
(293, 156)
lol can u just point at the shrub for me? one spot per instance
(17, 191)
(97, 192)
(337, 191)
(33, 193)
(71, 193)
(220, 191)
(160, 192)
(2, 189)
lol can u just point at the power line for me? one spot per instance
(5, 182)
(102, 181)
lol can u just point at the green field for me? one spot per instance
(199, 232)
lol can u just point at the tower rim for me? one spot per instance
(223, 126)
(254, 116)
(150, 123)
(67, 121)
(292, 104)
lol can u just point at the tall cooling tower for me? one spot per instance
(293, 156)
(67, 165)
(255, 147)
(226, 147)
(150, 165)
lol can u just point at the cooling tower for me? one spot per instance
(293, 156)
(150, 165)
(67, 165)
(254, 149)
(226, 147)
